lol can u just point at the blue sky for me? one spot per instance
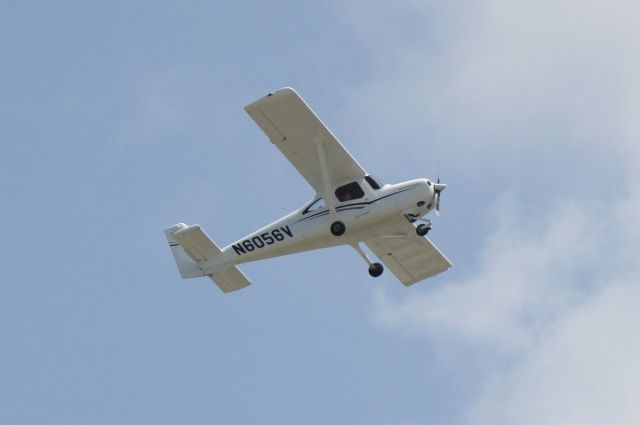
(119, 119)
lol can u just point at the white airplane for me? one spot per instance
(350, 207)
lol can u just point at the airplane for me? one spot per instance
(350, 207)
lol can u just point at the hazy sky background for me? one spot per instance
(119, 119)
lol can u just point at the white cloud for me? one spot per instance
(529, 273)
(584, 371)
(555, 308)
(499, 75)
(555, 288)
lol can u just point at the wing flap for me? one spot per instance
(411, 258)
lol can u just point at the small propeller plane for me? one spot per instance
(350, 207)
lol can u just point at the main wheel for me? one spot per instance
(422, 229)
(376, 269)
(338, 228)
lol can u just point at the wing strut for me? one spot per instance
(328, 199)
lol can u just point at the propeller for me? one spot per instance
(438, 187)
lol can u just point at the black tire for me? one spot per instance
(338, 228)
(422, 229)
(375, 269)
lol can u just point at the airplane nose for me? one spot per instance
(428, 190)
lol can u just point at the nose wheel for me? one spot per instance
(423, 229)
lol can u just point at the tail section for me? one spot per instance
(194, 252)
(187, 266)
(231, 279)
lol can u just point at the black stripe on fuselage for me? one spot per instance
(325, 212)
(354, 206)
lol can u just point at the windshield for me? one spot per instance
(315, 205)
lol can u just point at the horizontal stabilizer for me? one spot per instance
(187, 266)
(230, 280)
(196, 243)
(192, 248)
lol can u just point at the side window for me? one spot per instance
(349, 191)
(314, 206)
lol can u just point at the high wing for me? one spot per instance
(293, 127)
(411, 258)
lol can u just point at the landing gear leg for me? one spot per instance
(375, 269)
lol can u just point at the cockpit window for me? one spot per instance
(373, 182)
(314, 206)
(349, 191)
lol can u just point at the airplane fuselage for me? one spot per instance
(351, 207)
(307, 229)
